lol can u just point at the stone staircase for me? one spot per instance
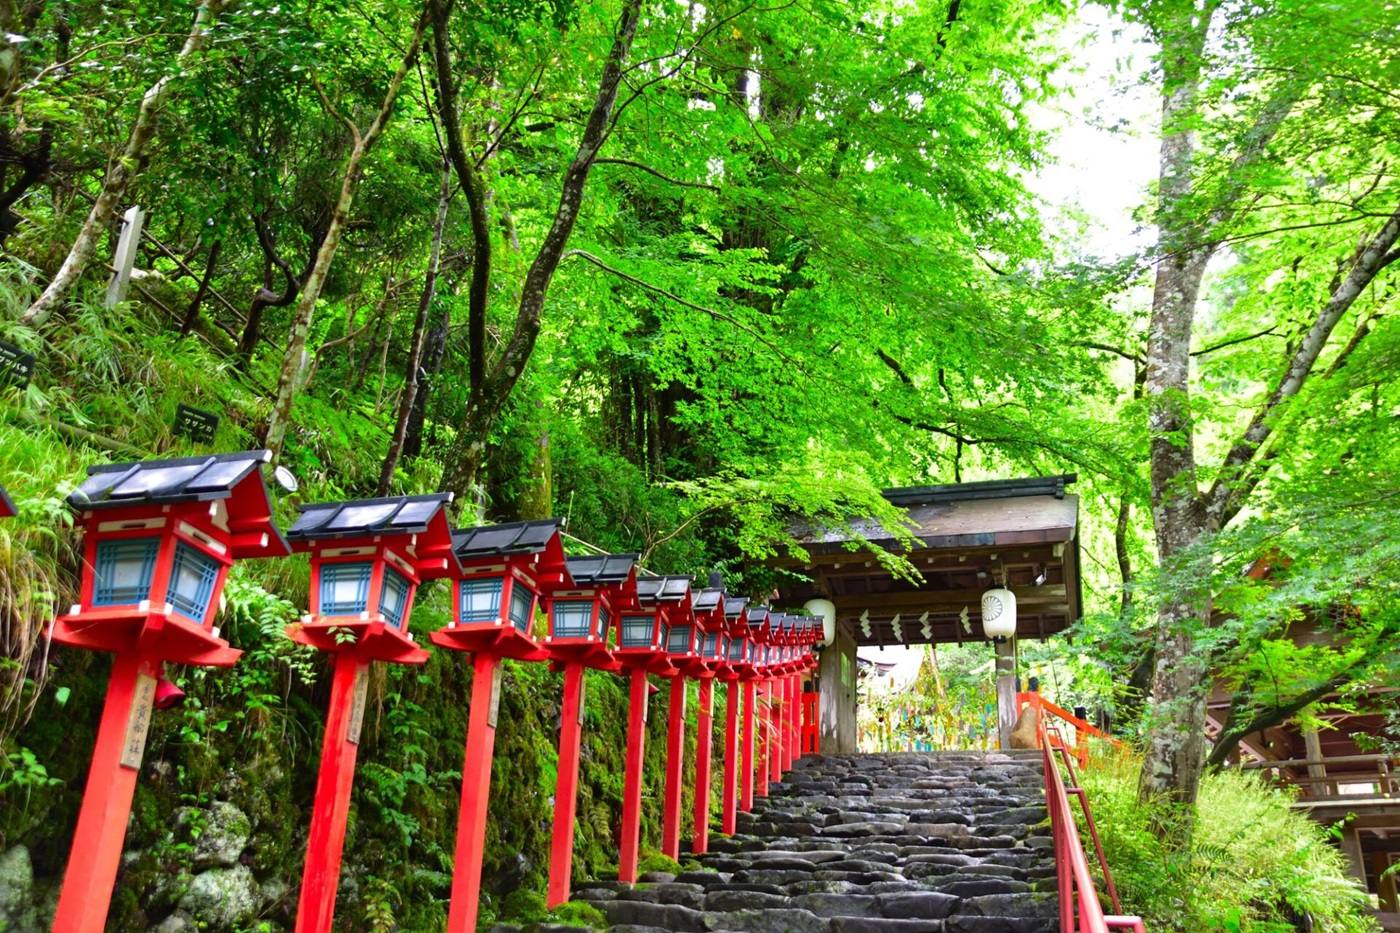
(949, 842)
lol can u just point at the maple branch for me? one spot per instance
(1233, 483)
(651, 171)
(1271, 329)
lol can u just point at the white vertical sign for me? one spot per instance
(125, 258)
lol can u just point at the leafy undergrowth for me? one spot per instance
(1254, 865)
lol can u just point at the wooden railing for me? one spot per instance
(1082, 730)
(1080, 908)
(1318, 783)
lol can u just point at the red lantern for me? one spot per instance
(504, 570)
(581, 610)
(643, 633)
(776, 683)
(810, 737)
(368, 558)
(713, 638)
(644, 629)
(692, 653)
(736, 657)
(7, 505)
(755, 673)
(159, 539)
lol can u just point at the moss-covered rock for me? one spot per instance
(221, 898)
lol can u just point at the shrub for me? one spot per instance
(655, 861)
(1254, 864)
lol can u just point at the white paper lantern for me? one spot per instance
(999, 613)
(825, 609)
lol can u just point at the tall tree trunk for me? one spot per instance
(1176, 703)
(294, 360)
(123, 171)
(489, 398)
(415, 351)
(475, 190)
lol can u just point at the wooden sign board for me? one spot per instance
(16, 366)
(357, 705)
(196, 424)
(495, 697)
(143, 702)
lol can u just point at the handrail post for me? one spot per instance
(1080, 908)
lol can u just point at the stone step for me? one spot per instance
(941, 842)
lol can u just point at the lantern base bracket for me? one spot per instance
(159, 635)
(368, 640)
(500, 640)
(653, 664)
(592, 655)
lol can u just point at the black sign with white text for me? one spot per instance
(196, 424)
(16, 366)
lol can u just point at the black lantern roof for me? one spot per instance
(509, 538)
(7, 505)
(602, 569)
(185, 479)
(734, 606)
(660, 589)
(757, 615)
(394, 515)
(707, 599)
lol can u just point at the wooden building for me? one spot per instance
(969, 538)
(1344, 775)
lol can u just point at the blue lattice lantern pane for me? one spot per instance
(192, 582)
(479, 600)
(707, 645)
(736, 649)
(571, 618)
(604, 620)
(344, 589)
(664, 638)
(122, 575)
(522, 607)
(393, 597)
(679, 641)
(636, 631)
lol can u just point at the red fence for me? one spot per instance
(1080, 908)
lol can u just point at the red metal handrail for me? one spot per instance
(1080, 908)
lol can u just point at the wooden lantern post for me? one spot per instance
(782, 682)
(368, 558)
(714, 648)
(797, 654)
(808, 720)
(755, 774)
(683, 653)
(772, 749)
(732, 676)
(159, 539)
(580, 618)
(503, 569)
(641, 649)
